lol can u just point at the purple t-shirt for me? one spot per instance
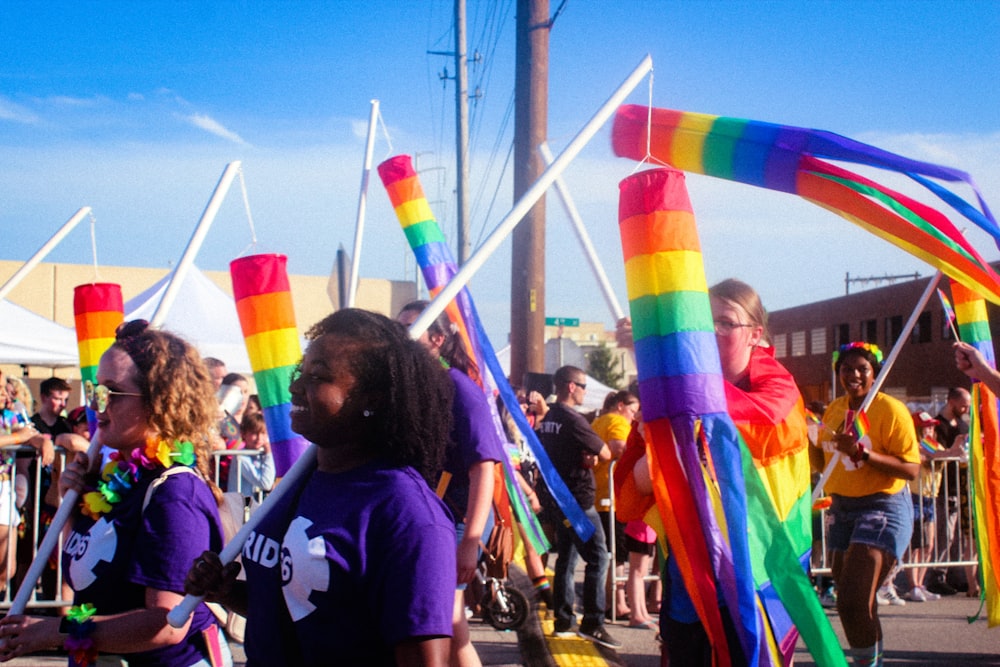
(473, 439)
(348, 568)
(110, 562)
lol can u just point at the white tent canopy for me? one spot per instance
(29, 339)
(202, 314)
(593, 398)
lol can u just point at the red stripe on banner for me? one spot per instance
(653, 191)
(628, 134)
(259, 274)
(395, 169)
(98, 296)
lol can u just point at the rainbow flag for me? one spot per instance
(984, 450)
(98, 309)
(791, 159)
(722, 527)
(949, 312)
(264, 305)
(930, 446)
(438, 267)
(860, 425)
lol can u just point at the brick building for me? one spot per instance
(805, 337)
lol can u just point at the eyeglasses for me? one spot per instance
(727, 327)
(98, 396)
(581, 385)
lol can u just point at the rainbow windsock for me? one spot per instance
(98, 309)
(984, 450)
(792, 159)
(264, 305)
(438, 267)
(736, 556)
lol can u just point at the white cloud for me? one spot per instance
(16, 113)
(213, 126)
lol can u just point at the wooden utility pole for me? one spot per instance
(527, 289)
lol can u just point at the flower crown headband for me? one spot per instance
(871, 348)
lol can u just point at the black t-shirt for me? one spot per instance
(60, 426)
(946, 434)
(566, 436)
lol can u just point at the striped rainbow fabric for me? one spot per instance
(720, 520)
(264, 305)
(98, 309)
(984, 449)
(438, 267)
(684, 406)
(792, 159)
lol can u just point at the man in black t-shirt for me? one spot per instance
(574, 448)
(951, 425)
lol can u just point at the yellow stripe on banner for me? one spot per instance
(971, 311)
(664, 272)
(414, 211)
(273, 349)
(92, 349)
(688, 147)
(571, 651)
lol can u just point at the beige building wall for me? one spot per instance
(48, 291)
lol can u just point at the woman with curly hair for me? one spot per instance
(872, 511)
(356, 565)
(143, 517)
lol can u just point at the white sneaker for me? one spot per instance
(887, 595)
(916, 594)
(930, 596)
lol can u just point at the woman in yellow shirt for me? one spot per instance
(872, 511)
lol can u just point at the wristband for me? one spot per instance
(79, 643)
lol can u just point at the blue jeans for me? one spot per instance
(594, 552)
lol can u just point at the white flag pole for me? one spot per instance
(359, 225)
(42, 252)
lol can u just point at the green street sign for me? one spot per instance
(562, 321)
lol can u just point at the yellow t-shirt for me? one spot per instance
(609, 426)
(891, 432)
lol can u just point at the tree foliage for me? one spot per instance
(603, 366)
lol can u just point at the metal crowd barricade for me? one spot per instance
(957, 539)
(615, 579)
(8, 492)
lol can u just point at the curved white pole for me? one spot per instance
(584, 238)
(528, 199)
(179, 615)
(41, 253)
(359, 226)
(194, 244)
(880, 380)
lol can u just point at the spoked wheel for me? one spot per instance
(506, 608)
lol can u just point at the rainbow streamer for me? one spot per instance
(98, 309)
(720, 523)
(267, 318)
(786, 158)
(984, 450)
(438, 267)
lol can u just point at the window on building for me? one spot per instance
(780, 343)
(799, 344)
(922, 329)
(869, 331)
(841, 334)
(817, 341)
(893, 328)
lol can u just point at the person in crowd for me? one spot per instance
(217, 369)
(765, 405)
(256, 474)
(871, 508)
(142, 518)
(952, 511)
(468, 477)
(613, 426)
(370, 548)
(574, 448)
(234, 395)
(253, 405)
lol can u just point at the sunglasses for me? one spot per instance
(98, 396)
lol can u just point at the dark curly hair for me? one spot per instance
(176, 389)
(409, 393)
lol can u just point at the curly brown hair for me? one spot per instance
(176, 389)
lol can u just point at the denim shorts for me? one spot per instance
(879, 520)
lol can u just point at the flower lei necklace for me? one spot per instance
(121, 472)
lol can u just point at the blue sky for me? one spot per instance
(136, 108)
